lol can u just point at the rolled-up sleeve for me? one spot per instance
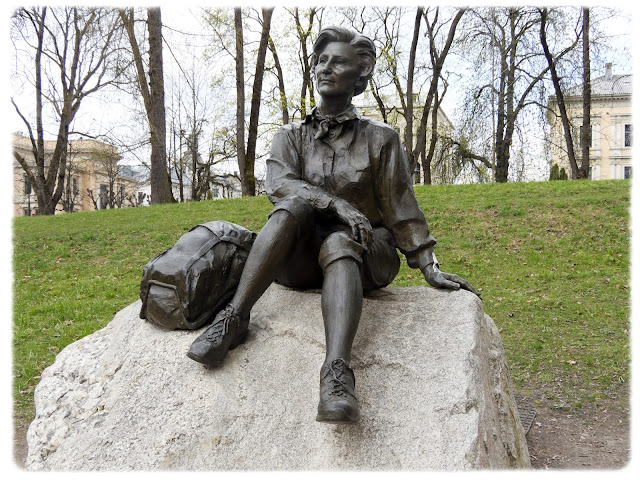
(399, 207)
(284, 172)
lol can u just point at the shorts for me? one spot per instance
(322, 241)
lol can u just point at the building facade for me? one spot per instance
(611, 127)
(94, 180)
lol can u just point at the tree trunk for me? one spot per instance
(240, 144)
(256, 97)
(566, 125)
(408, 141)
(247, 173)
(438, 63)
(305, 60)
(160, 185)
(507, 114)
(583, 171)
(283, 96)
(502, 156)
(426, 167)
(434, 134)
(79, 60)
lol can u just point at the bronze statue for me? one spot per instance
(344, 202)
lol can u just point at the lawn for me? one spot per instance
(551, 258)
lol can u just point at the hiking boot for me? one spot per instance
(337, 404)
(226, 332)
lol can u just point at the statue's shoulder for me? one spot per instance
(291, 128)
(381, 129)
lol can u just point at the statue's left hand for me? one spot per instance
(438, 279)
(361, 230)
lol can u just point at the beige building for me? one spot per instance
(611, 127)
(95, 180)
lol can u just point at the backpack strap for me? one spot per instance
(234, 236)
(208, 245)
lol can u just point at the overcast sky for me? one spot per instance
(98, 110)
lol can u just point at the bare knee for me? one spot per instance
(294, 212)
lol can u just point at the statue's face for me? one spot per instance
(337, 70)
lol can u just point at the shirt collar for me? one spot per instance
(349, 114)
(323, 122)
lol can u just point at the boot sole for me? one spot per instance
(337, 417)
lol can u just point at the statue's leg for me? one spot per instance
(269, 254)
(340, 258)
(348, 270)
(341, 307)
(290, 221)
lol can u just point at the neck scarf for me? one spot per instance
(326, 121)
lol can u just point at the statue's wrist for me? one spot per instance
(430, 268)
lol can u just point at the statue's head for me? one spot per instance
(362, 48)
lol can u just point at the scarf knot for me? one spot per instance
(327, 121)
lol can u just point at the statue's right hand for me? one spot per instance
(351, 216)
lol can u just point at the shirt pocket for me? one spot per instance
(353, 177)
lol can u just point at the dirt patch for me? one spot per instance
(20, 427)
(592, 438)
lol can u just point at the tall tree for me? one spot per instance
(434, 99)
(386, 25)
(247, 158)
(73, 57)
(566, 124)
(256, 96)
(408, 141)
(152, 92)
(240, 141)
(583, 171)
(304, 56)
(284, 104)
(512, 34)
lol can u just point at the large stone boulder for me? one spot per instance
(431, 378)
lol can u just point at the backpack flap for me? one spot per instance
(163, 306)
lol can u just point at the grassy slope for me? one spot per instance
(552, 260)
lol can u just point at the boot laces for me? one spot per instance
(338, 371)
(220, 326)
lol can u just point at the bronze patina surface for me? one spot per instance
(343, 202)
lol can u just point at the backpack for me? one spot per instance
(187, 284)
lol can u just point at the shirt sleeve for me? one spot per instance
(399, 207)
(284, 172)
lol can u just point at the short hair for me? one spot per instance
(364, 47)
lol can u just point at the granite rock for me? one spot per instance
(431, 378)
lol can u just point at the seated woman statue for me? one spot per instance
(344, 202)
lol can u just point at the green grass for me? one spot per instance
(551, 258)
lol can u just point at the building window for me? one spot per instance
(27, 186)
(627, 172)
(590, 136)
(103, 197)
(216, 192)
(75, 186)
(627, 136)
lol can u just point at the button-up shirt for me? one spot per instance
(358, 160)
